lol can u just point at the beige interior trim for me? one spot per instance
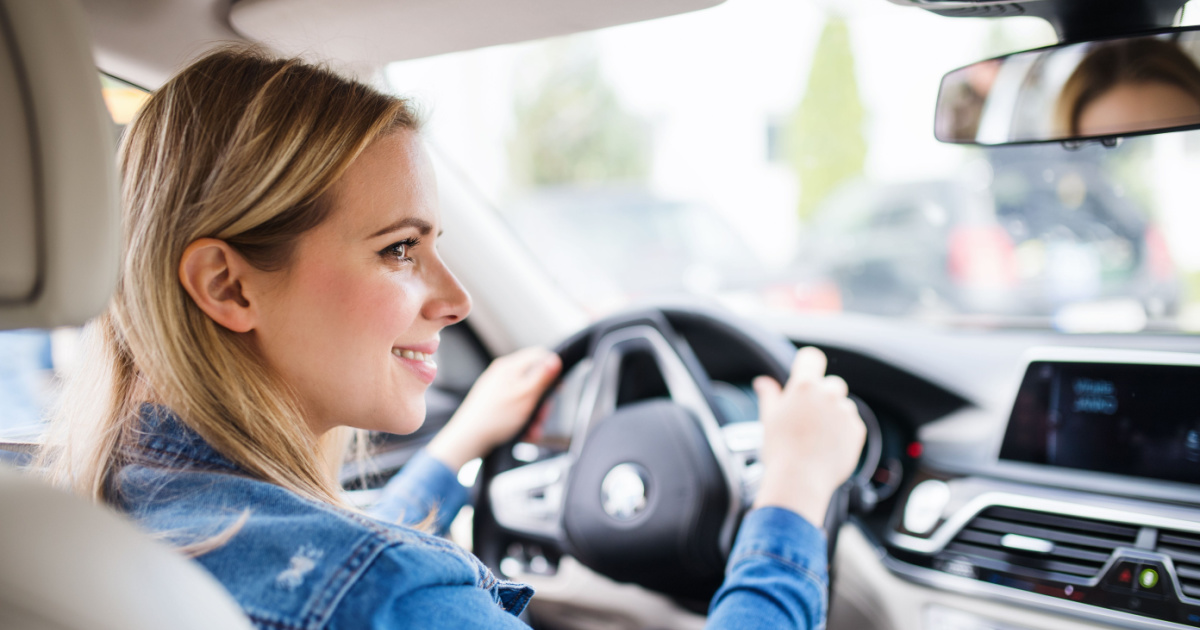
(387, 30)
(67, 224)
(68, 564)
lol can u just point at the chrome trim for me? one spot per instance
(978, 588)
(529, 498)
(744, 441)
(957, 521)
(1027, 543)
(600, 400)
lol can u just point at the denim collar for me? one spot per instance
(164, 438)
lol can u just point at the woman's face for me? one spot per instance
(352, 323)
(1129, 107)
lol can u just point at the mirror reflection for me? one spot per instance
(1075, 91)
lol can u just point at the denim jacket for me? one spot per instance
(294, 563)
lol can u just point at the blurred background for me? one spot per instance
(777, 156)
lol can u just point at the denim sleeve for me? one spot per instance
(434, 607)
(776, 576)
(424, 486)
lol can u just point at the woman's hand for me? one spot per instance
(497, 406)
(812, 437)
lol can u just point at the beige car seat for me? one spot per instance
(64, 562)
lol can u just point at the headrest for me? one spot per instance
(60, 234)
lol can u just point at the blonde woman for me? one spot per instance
(281, 283)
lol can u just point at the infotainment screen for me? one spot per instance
(1127, 419)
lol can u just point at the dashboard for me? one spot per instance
(1087, 506)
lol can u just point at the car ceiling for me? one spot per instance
(144, 41)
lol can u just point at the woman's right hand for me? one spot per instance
(812, 437)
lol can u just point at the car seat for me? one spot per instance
(65, 563)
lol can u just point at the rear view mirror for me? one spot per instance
(1085, 90)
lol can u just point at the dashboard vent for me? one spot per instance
(1042, 545)
(1184, 550)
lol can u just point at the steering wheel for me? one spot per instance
(657, 471)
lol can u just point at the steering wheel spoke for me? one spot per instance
(529, 499)
(744, 442)
(684, 387)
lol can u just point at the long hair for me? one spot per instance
(243, 147)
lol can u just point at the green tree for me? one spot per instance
(825, 142)
(570, 126)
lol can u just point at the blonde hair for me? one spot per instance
(242, 147)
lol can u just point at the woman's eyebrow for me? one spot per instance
(422, 225)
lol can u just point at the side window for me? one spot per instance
(26, 382)
(123, 100)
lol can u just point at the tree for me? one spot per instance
(825, 139)
(570, 126)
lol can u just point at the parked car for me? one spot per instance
(1024, 234)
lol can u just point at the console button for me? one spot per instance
(1152, 580)
(1148, 578)
(1122, 578)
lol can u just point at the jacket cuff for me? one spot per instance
(784, 536)
(423, 486)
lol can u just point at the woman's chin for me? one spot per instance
(409, 423)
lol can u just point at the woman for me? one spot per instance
(281, 284)
(1129, 86)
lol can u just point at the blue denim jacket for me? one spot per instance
(296, 563)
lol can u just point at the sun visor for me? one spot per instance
(60, 240)
(390, 30)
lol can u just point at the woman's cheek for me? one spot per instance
(390, 307)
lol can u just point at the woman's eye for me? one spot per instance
(400, 250)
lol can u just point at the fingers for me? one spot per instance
(533, 364)
(769, 391)
(808, 366)
(767, 388)
(547, 369)
(836, 386)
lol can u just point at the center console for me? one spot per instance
(1091, 504)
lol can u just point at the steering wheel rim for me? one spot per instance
(506, 509)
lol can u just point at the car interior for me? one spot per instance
(1012, 293)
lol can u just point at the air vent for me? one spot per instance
(1040, 545)
(1184, 550)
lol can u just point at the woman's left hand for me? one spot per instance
(497, 406)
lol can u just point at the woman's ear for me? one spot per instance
(213, 273)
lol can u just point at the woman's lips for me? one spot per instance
(419, 362)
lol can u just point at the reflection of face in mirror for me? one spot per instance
(969, 98)
(1130, 86)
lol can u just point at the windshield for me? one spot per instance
(778, 156)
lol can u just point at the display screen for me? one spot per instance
(1137, 420)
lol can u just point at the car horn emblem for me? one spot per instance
(623, 491)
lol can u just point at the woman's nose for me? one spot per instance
(448, 301)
